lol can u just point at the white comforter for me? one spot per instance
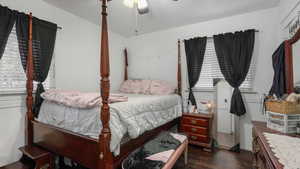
(141, 113)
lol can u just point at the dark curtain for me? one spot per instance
(7, 21)
(279, 86)
(234, 52)
(44, 35)
(22, 29)
(195, 50)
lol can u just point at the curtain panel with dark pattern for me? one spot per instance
(195, 50)
(43, 34)
(234, 52)
(7, 21)
(279, 86)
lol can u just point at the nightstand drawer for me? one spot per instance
(194, 129)
(195, 121)
(198, 138)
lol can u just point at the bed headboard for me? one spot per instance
(178, 91)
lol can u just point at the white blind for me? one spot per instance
(12, 75)
(211, 69)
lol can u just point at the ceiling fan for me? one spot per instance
(142, 6)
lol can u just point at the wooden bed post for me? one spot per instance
(105, 156)
(126, 65)
(29, 87)
(179, 69)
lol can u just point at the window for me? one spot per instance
(211, 70)
(12, 75)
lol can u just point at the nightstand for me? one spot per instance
(197, 126)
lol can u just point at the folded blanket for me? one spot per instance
(79, 99)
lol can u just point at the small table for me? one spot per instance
(42, 158)
(197, 126)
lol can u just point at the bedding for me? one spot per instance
(153, 87)
(79, 99)
(139, 114)
(136, 86)
(159, 87)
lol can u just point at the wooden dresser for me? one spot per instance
(198, 128)
(264, 157)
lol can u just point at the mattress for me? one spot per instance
(128, 120)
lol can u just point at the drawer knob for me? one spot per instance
(193, 121)
(193, 129)
(194, 137)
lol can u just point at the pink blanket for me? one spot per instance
(79, 99)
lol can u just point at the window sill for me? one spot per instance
(204, 90)
(12, 93)
(244, 91)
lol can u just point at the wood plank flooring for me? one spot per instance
(198, 159)
(219, 159)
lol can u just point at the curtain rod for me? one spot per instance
(210, 37)
(59, 27)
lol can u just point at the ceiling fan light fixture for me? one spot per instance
(143, 6)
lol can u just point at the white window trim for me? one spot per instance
(200, 89)
(211, 59)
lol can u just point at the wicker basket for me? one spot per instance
(283, 107)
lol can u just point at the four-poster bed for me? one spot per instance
(89, 152)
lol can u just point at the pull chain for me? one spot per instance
(136, 31)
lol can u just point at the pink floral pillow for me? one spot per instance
(159, 87)
(154, 87)
(136, 86)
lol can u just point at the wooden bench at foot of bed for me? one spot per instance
(183, 148)
(162, 152)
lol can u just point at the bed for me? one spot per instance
(92, 148)
(128, 119)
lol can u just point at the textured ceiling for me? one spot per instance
(163, 13)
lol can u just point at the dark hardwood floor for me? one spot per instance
(198, 159)
(219, 159)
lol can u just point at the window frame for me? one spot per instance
(15, 91)
(198, 88)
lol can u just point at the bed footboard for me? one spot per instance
(82, 149)
(79, 148)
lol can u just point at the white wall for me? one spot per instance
(154, 55)
(12, 123)
(77, 67)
